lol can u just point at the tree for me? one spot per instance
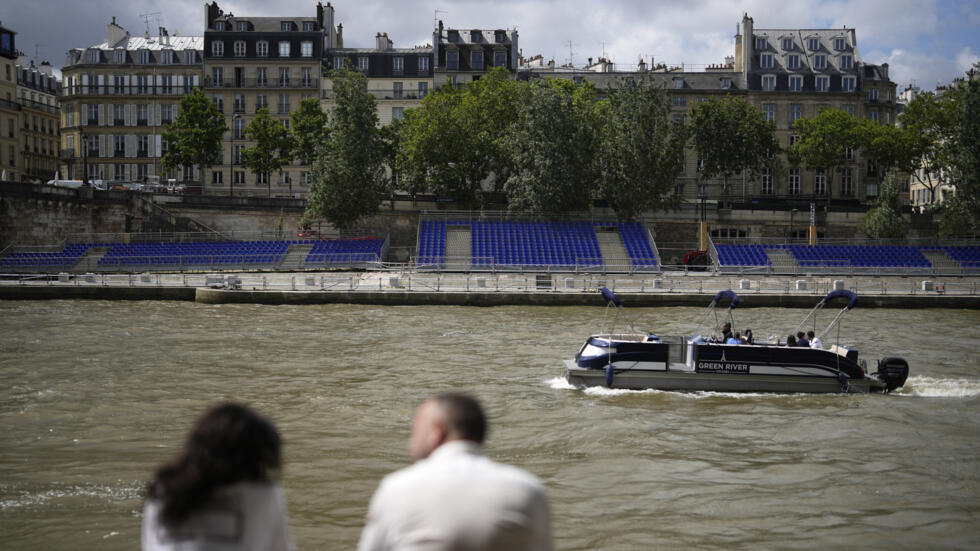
(455, 143)
(884, 220)
(823, 141)
(640, 150)
(552, 146)
(930, 121)
(348, 176)
(964, 144)
(309, 129)
(194, 138)
(731, 135)
(273, 145)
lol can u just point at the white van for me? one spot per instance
(73, 184)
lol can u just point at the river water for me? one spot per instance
(95, 395)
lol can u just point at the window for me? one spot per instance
(423, 89)
(362, 63)
(216, 176)
(398, 65)
(820, 182)
(795, 83)
(283, 48)
(284, 76)
(872, 189)
(848, 154)
(846, 183)
(396, 91)
(306, 48)
(239, 48)
(241, 26)
(848, 108)
(766, 187)
(118, 84)
(678, 83)
(309, 26)
(452, 61)
(238, 128)
(93, 146)
(218, 48)
(261, 76)
(396, 113)
(793, 62)
(761, 43)
(285, 179)
(190, 57)
(286, 26)
(813, 44)
(726, 84)
(93, 117)
(166, 114)
(119, 145)
(339, 61)
(167, 57)
(500, 59)
(119, 56)
(794, 181)
(840, 43)
(218, 76)
(822, 83)
(144, 57)
(239, 177)
(787, 43)
(142, 146)
(679, 119)
(769, 111)
(261, 100)
(795, 113)
(284, 103)
(118, 114)
(93, 57)
(143, 84)
(873, 115)
(873, 94)
(476, 61)
(820, 62)
(262, 48)
(423, 65)
(793, 138)
(765, 61)
(702, 99)
(678, 101)
(219, 26)
(769, 82)
(872, 168)
(846, 62)
(306, 77)
(847, 84)
(239, 103)
(219, 102)
(262, 178)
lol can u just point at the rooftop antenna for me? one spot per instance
(603, 50)
(37, 53)
(571, 54)
(146, 19)
(435, 17)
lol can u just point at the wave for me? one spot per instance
(934, 387)
(46, 498)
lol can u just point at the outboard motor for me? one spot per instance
(893, 372)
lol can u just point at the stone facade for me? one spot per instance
(37, 92)
(461, 56)
(11, 159)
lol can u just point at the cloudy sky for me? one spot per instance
(924, 41)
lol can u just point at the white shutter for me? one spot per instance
(102, 114)
(83, 116)
(102, 148)
(130, 112)
(130, 145)
(84, 84)
(157, 145)
(157, 114)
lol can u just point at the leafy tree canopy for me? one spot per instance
(194, 138)
(309, 129)
(884, 219)
(273, 146)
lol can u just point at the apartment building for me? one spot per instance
(10, 162)
(117, 98)
(256, 62)
(38, 90)
(462, 56)
(398, 78)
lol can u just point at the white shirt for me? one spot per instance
(239, 517)
(458, 499)
(815, 343)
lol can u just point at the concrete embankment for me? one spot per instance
(66, 292)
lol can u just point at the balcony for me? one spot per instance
(250, 83)
(156, 90)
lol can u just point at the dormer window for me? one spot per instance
(793, 62)
(220, 26)
(678, 83)
(846, 62)
(476, 36)
(119, 56)
(167, 56)
(820, 62)
(500, 37)
(189, 57)
(768, 82)
(795, 83)
(840, 44)
(453, 36)
(476, 60)
(241, 26)
(218, 48)
(761, 43)
(787, 43)
(286, 26)
(813, 44)
(309, 26)
(726, 84)
(93, 56)
(144, 57)
(765, 61)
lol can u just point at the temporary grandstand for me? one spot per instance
(196, 252)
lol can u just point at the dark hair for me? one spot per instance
(791, 340)
(800, 334)
(809, 334)
(229, 443)
(464, 416)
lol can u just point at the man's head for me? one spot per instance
(809, 335)
(800, 335)
(726, 326)
(444, 418)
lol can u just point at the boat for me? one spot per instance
(639, 360)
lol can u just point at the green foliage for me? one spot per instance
(273, 145)
(884, 219)
(731, 135)
(309, 129)
(964, 145)
(455, 141)
(892, 147)
(823, 141)
(194, 138)
(552, 148)
(641, 151)
(348, 176)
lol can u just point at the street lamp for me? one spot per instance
(702, 194)
(792, 213)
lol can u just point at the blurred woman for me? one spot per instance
(218, 492)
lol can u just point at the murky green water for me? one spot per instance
(95, 395)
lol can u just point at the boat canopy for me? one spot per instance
(610, 296)
(726, 294)
(842, 293)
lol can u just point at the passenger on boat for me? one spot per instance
(801, 339)
(747, 339)
(814, 340)
(737, 339)
(791, 340)
(726, 331)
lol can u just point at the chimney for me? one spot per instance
(340, 35)
(325, 16)
(748, 44)
(884, 70)
(114, 33)
(46, 68)
(642, 67)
